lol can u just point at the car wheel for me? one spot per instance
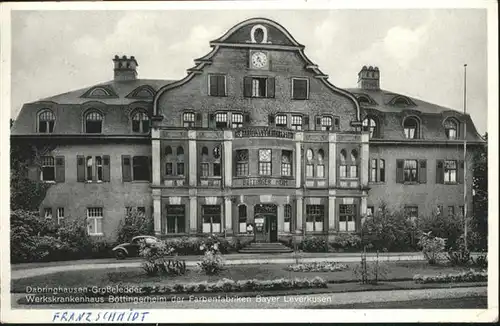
(120, 254)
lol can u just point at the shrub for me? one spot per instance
(160, 258)
(450, 227)
(135, 223)
(432, 247)
(480, 261)
(211, 263)
(468, 276)
(344, 242)
(313, 244)
(317, 267)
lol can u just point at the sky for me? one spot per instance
(420, 53)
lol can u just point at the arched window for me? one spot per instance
(242, 218)
(180, 160)
(354, 155)
(46, 121)
(451, 128)
(410, 126)
(204, 162)
(286, 163)
(309, 164)
(169, 169)
(204, 154)
(217, 164)
(93, 122)
(363, 100)
(353, 171)
(401, 102)
(369, 124)
(343, 155)
(140, 122)
(343, 164)
(99, 92)
(320, 167)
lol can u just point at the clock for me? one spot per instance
(259, 60)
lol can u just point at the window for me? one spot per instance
(439, 210)
(211, 216)
(411, 212)
(315, 215)
(343, 164)
(242, 218)
(48, 213)
(320, 168)
(300, 89)
(48, 168)
(180, 160)
(176, 218)
(94, 220)
(89, 174)
(259, 87)
(451, 211)
(411, 128)
(410, 171)
(98, 168)
(353, 173)
(217, 163)
(309, 163)
(205, 169)
(280, 121)
(140, 168)
(363, 100)
(326, 123)
(450, 171)
(217, 169)
(46, 121)
(221, 120)
(140, 122)
(373, 170)
(60, 214)
(451, 129)
(347, 217)
(382, 170)
(237, 120)
(370, 210)
(296, 122)
(370, 125)
(265, 156)
(242, 162)
(188, 120)
(287, 217)
(93, 122)
(286, 163)
(217, 85)
(169, 170)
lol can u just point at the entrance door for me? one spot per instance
(266, 223)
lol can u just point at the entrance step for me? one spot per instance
(265, 247)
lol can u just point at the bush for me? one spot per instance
(159, 258)
(317, 267)
(432, 247)
(345, 241)
(186, 246)
(480, 261)
(313, 244)
(469, 276)
(450, 227)
(135, 223)
(211, 263)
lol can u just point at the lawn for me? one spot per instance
(136, 276)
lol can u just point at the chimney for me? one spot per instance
(125, 68)
(369, 78)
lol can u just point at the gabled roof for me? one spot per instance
(120, 88)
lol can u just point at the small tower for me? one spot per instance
(125, 68)
(369, 78)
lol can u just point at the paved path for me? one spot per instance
(35, 269)
(278, 302)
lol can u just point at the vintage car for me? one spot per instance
(131, 249)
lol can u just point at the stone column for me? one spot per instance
(228, 158)
(193, 214)
(332, 219)
(281, 218)
(157, 211)
(155, 149)
(332, 159)
(365, 157)
(193, 158)
(228, 218)
(299, 136)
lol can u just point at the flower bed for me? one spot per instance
(317, 267)
(468, 276)
(227, 285)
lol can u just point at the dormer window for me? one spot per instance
(93, 122)
(99, 92)
(363, 100)
(410, 126)
(369, 124)
(46, 121)
(140, 122)
(451, 128)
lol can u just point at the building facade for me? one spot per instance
(253, 142)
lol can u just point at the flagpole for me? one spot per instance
(465, 156)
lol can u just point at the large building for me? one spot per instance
(254, 134)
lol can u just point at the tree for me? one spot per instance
(480, 187)
(135, 223)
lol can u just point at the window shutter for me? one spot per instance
(126, 169)
(247, 86)
(399, 171)
(211, 120)
(106, 173)
(270, 118)
(247, 117)
(270, 87)
(305, 123)
(318, 123)
(221, 85)
(199, 119)
(60, 169)
(370, 179)
(80, 168)
(34, 173)
(422, 173)
(439, 171)
(460, 171)
(212, 85)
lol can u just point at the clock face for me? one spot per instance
(259, 59)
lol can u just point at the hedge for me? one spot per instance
(468, 276)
